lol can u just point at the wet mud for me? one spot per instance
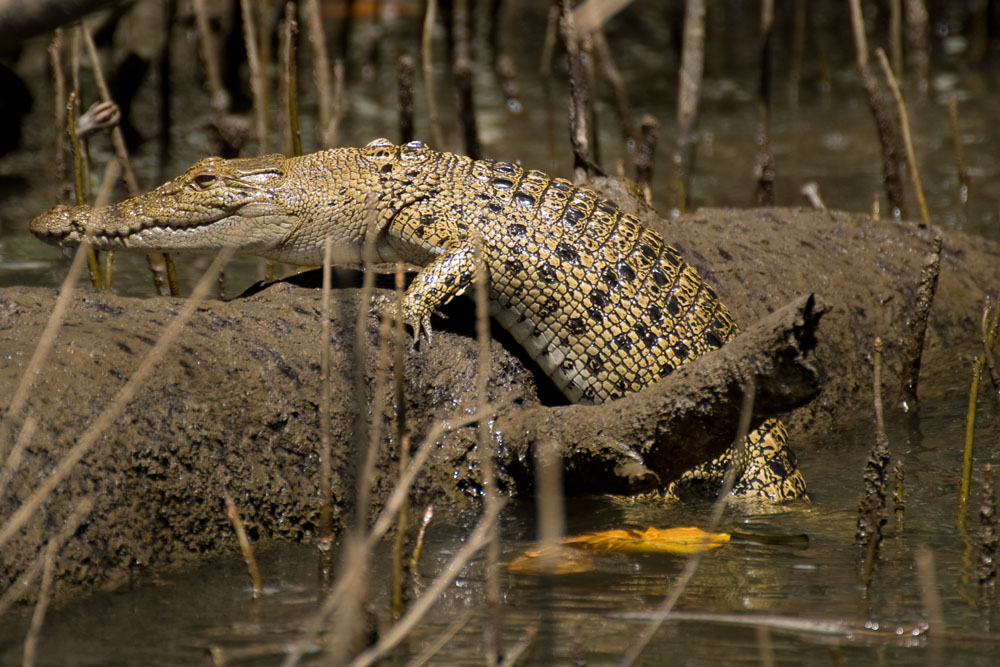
(235, 405)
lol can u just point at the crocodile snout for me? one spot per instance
(61, 224)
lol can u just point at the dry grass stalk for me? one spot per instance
(124, 396)
(79, 176)
(662, 613)
(549, 495)
(404, 79)
(649, 133)
(427, 67)
(377, 410)
(989, 541)
(55, 51)
(160, 264)
(402, 440)
(258, 78)
(545, 74)
(917, 43)
(504, 66)
(579, 110)
(246, 550)
(479, 538)
(613, 76)
(990, 323)
(485, 451)
(333, 130)
(518, 650)
(289, 61)
(913, 344)
(956, 138)
(898, 495)
(397, 498)
(418, 543)
(461, 67)
(321, 73)
(888, 133)
(764, 163)
(431, 649)
(810, 190)
(210, 58)
(872, 512)
(688, 95)
(325, 528)
(896, 36)
(904, 124)
(765, 646)
(590, 16)
(41, 605)
(798, 50)
(361, 424)
(931, 599)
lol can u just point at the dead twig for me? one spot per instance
(904, 126)
(688, 96)
(913, 345)
(694, 560)
(245, 549)
(888, 133)
(160, 264)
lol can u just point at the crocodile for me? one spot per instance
(600, 302)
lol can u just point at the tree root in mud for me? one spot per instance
(646, 439)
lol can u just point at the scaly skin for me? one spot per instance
(601, 303)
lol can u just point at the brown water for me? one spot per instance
(829, 137)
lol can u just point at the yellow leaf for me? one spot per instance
(551, 559)
(684, 540)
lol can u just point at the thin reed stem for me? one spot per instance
(160, 264)
(258, 81)
(325, 474)
(79, 176)
(41, 605)
(904, 125)
(694, 560)
(479, 538)
(246, 550)
(389, 512)
(888, 133)
(427, 67)
(485, 449)
(219, 98)
(446, 635)
(688, 96)
(403, 443)
(321, 73)
(290, 67)
(991, 312)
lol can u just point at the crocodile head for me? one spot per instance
(242, 203)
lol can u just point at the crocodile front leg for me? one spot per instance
(448, 276)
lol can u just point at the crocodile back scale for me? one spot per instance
(600, 302)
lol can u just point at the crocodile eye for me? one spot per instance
(204, 181)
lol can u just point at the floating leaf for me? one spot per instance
(684, 540)
(551, 559)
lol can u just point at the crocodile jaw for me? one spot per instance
(252, 229)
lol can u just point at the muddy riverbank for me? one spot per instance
(234, 407)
